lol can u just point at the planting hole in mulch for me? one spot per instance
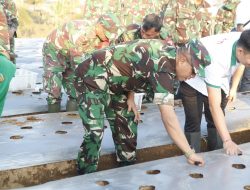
(239, 166)
(196, 175)
(36, 92)
(147, 187)
(26, 127)
(61, 132)
(16, 137)
(74, 115)
(102, 183)
(67, 122)
(153, 172)
(17, 92)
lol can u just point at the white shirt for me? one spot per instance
(219, 72)
(243, 13)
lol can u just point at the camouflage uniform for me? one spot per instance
(133, 32)
(62, 51)
(183, 20)
(128, 11)
(7, 69)
(226, 16)
(103, 81)
(12, 20)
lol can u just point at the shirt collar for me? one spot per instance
(233, 56)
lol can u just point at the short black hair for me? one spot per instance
(152, 21)
(244, 40)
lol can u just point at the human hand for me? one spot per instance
(231, 148)
(194, 159)
(232, 96)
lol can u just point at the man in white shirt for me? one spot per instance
(229, 54)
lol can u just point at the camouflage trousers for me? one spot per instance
(12, 50)
(7, 72)
(92, 108)
(58, 73)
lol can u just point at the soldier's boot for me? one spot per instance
(194, 140)
(214, 141)
(71, 105)
(54, 108)
(125, 163)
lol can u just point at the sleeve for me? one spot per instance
(4, 34)
(162, 85)
(164, 98)
(218, 22)
(11, 14)
(212, 78)
(169, 19)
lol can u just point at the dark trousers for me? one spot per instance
(193, 102)
(245, 81)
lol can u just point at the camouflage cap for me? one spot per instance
(200, 57)
(111, 24)
(230, 5)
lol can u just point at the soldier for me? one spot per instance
(62, 51)
(186, 20)
(129, 11)
(212, 89)
(103, 82)
(135, 11)
(7, 69)
(150, 29)
(226, 16)
(12, 20)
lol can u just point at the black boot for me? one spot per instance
(71, 105)
(194, 140)
(54, 108)
(214, 141)
(125, 163)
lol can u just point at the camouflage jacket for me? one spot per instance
(225, 17)
(183, 20)
(132, 66)
(73, 39)
(4, 34)
(128, 11)
(11, 13)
